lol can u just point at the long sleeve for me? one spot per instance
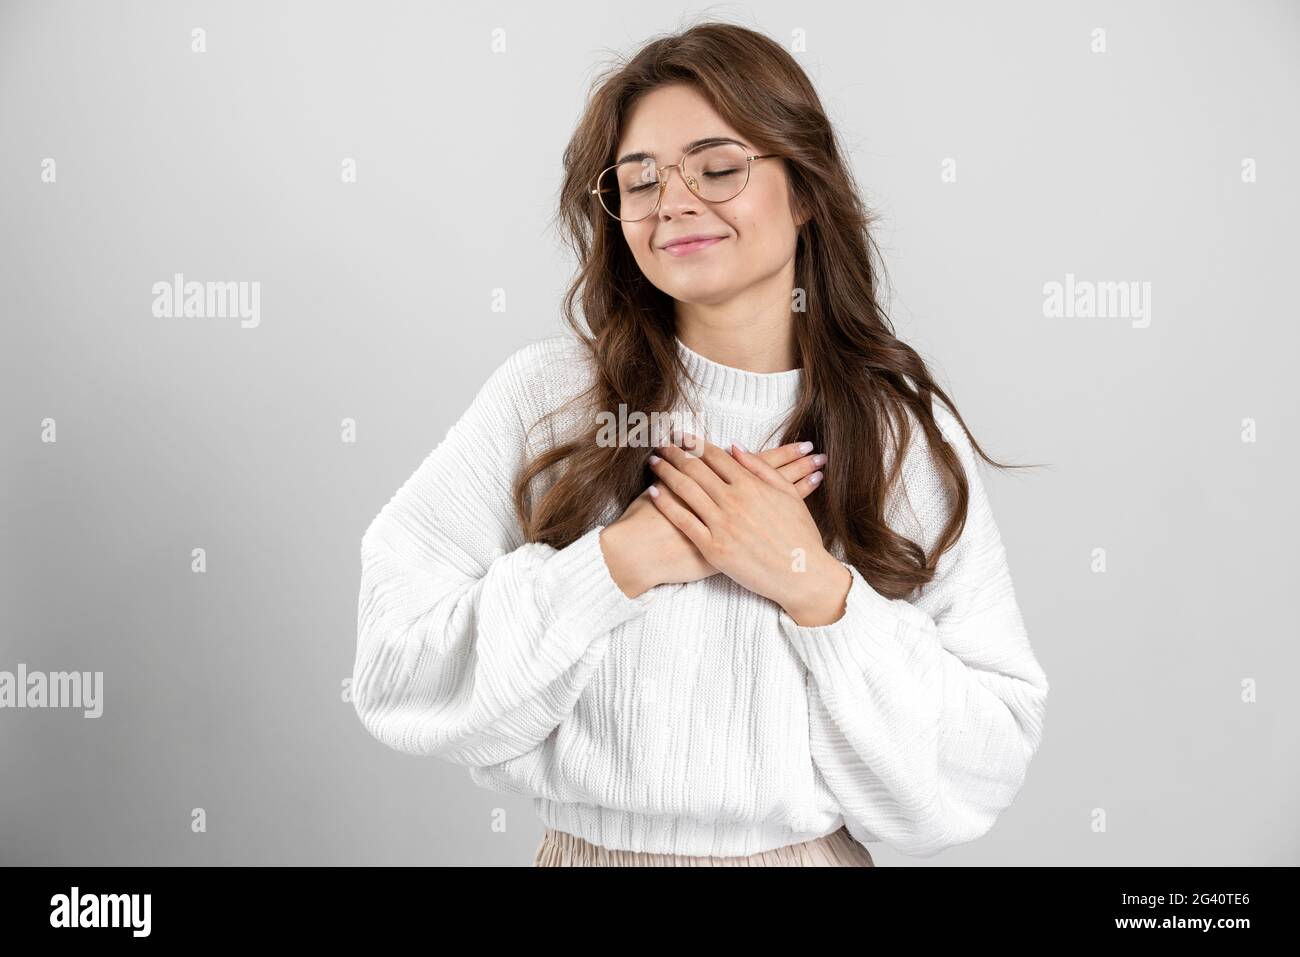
(471, 645)
(923, 717)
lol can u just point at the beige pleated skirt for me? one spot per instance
(837, 849)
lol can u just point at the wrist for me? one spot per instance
(624, 565)
(824, 589)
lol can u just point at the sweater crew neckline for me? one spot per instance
(761, 391)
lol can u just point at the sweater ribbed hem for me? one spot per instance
(666, 834)
(759, 391)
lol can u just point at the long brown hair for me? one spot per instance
(855, 370)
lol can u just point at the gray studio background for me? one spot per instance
(224, 690)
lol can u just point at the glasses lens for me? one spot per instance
(629, 190)
(717, 173)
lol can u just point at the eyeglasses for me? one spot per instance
(715, 171)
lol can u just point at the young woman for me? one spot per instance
(699, 651)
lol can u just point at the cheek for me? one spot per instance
(638, 245)
(761, 220)
(637, 237)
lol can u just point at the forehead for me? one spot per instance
(666, 121)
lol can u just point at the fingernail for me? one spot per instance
(739, 446)
(814, 478)
(805, 448)
(654, 460)
(654, 492)
(819, 459)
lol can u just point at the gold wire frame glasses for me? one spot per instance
(715, 170)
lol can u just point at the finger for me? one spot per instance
(716, 458)
(669, 493)
(687, 488)
(785, 454)
(681, 516)
(760, 468)
(801, 468)
(806, 486)
(690, 464)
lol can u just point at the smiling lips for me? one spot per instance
(689, 244)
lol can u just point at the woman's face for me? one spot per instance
(758, 227)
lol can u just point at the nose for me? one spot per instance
(677, 199)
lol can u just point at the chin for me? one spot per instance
(696, 297)
(704, 290)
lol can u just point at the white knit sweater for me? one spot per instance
(700, 718)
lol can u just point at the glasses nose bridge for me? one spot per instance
(664, 175)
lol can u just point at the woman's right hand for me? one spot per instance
(643, 548)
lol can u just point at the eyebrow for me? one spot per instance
(707, 141)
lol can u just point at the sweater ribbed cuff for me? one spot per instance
(870, 623)
(578, 594)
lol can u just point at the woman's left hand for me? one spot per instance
(750, 523)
